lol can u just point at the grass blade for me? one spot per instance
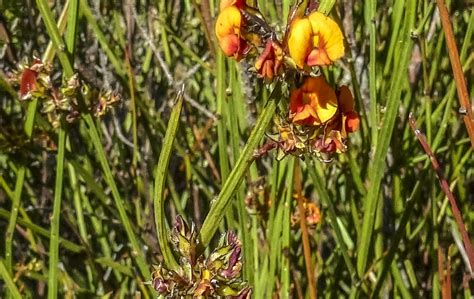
(54, 240)
(9, 281)
(160, 182)
(215, 215)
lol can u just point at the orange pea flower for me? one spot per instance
(229, 30)
(315, 40)
(347, 121)
(314, 103)
(350, 118)
(229, 27)
(269, 62)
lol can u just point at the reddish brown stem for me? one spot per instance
(457, 70)
(267, 147)
(444, 274)
(304, 233)
(445, 186)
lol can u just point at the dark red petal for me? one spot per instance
(28, 81)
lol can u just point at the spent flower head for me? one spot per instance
(60, 99)
(198, 276)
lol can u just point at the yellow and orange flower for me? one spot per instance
(229, 31)
(315, 40)
(269, 62)
(314, 103)
(346, 121)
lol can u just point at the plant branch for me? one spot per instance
(459, 79)
(445, 187)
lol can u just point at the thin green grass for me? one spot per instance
(97, 195)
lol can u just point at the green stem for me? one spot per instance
(218, 208)
(285, 291)
(55, 36)
(54, 240)
(325, 6)
(370, 23)
(389, 258)
(378, 167)
(109, 178)
(29, 123)
(160, 181)
(72, 17)
(75, 248)
(9, 281)
(104, 41)
(13, 218)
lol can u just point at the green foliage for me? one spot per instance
(86, 206)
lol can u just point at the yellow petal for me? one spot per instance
(300, 41)
(228, 22)
(323, 97)
(330, 35)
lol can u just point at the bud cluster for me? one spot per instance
(35, 82)
(200, 276)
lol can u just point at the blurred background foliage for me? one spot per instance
(144, 51)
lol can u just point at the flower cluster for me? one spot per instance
(35, 82)
(198, 276)
(312, 213)
(319, 117)
(325, 116)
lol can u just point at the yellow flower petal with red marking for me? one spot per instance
(315, 40)
(330, 40)
(300, 42)
(314, 103)
(228, 26)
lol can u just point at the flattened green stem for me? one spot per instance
(55, 36)
(13, 218)
(54, 240)
(285, 290)
(9, 281)
(370, 9)
(378, 165)
(218, 208)
(72, 17)
(160, 182)
(221, 129)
